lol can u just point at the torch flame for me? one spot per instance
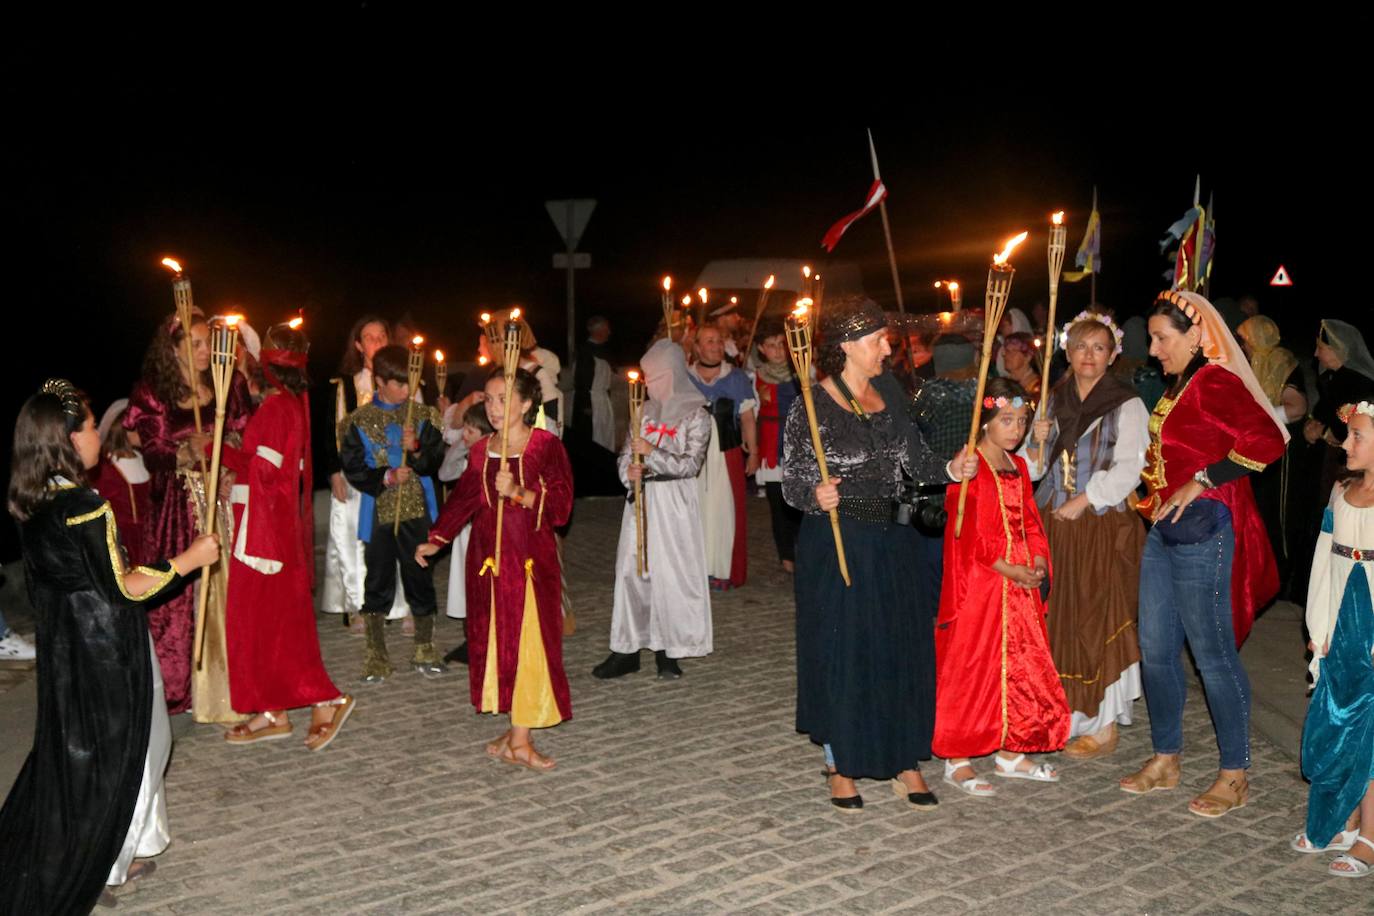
(486, 317)
(1058, 218)
(945, 317)
(939, 283)
(686, 301)
(953, 285)
(172, 264)
(702, 294)
(295, 323)
(232, 320)
(482, 360)
(667, 284)
(515, 314)
(1011, 246)
(438, 356)
(632, 375)
(799, 312)
(734, 300)
(806, 271)
(416, 340)
(768, 284)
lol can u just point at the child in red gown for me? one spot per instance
(996, 685)
(515, 619)
(273, 645)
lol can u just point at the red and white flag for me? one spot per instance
(876, 193)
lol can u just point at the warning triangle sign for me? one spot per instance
(1281, 277)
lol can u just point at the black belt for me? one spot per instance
(866, 510)
(1354, 553)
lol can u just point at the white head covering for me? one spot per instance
(251, 342)
(667, 381)
(108, 418)
(1349, 345)
(1221, 349)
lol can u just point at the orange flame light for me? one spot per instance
(172, 264)
(953, 285)
(295, 323)
(515, 314)
(438, 356)
(806, 271)
(1001, 258)
(667, 284)
(632, 375)
(416, 340)
(482, 360)
(686, 301)
(1058, 218)
(702, 294)
(486, 317)
(768, 284)
(232, 321)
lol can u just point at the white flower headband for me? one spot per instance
(1117, 334)
(1349, 410)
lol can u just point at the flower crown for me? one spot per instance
(1003, 401)
(1087, 315)
(1347, 411)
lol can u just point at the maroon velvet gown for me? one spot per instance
(527, 535)
(171, 526)
(132, 505)
(996, 684)
(271, 639)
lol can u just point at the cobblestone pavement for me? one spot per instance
(691, 797)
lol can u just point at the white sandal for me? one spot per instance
(1040, 772)
(971, 786)
(1339, 843)
(1358, 868)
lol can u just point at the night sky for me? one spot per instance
(339, 213)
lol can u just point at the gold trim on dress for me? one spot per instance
(160, 577)
(1106, 642)
(1006, 583)
(1244, 462)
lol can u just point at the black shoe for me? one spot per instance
(459, 655)
(915, 799)
(848, 804)
(668, 669)
(617, 664)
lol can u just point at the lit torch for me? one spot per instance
(799, 345)
(758, 313)
(181, 291)
(440, 374)
(994, 303)
(1058, 231)
(510, 361)
(669, 308)
(224, 342)
(637, 393)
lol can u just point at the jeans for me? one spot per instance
(4, 627)
(1185, 593)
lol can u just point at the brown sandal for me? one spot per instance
(321, 735)
(532, 761)
(498, 747)
(1086, 747)
(1212, 805)
(244, 733)
(1155, 774)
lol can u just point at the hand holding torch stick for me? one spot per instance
(415, 367)
(224, 342)
(181, 290)
(1058, 231)
(510, 361)
(799, 345)
(994, 303)
(636, 419)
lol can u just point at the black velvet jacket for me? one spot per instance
(66, 817)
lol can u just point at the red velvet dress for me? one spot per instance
(273, 645)
(996, 684)
(132, 505)
(171, 526)
(529, 568)
(1213, 418)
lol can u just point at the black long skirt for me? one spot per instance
(865, 653)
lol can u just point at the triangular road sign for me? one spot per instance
(570, 216)
(1281, 277)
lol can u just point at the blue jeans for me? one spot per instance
(1185, 592)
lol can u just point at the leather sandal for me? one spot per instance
(244, 733)
(1155, 774)
(1341, 842)
(1355, 868)
(848, 804)
(510, 755)
(1211, 805)
(498, 747)
(321, 735)
(1086, 747)
(972, 786)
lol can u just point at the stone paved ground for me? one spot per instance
(691, 797)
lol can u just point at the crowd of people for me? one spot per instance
(1013, 594)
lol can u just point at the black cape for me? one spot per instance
(66, 817)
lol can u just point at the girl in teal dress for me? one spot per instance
(1338, 737)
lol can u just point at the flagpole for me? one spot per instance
(1198, 235)
(1092, 278)
(887, 228)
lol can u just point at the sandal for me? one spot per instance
(1358, 868)
(1210, 805)
(1039, 772)
(1157, 773)
(1341, 842)
(1086, 747)
(971, 786)
(849, 804)
(533, 760)
(320, 735)
(244, 733)
(499, 746)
